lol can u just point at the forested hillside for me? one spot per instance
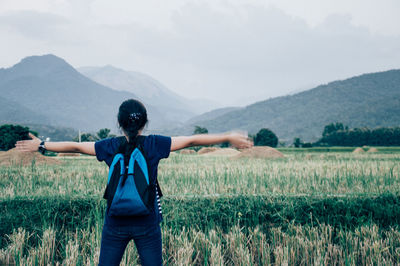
(12, 112)
(370, 100)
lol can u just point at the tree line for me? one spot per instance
(10, 134)
(335, 134)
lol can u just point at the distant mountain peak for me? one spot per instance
(39, 65)
(49, 59)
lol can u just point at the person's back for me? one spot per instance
(144, 230)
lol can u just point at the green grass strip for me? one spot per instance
(204, 213)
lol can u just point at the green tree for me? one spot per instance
(103, 133)
(86, 137)
(333, 127)
(200, 130)
(297, 142)
(265, 137)
(224, 144)
(10, 134)
(282, 143)
(306, 145)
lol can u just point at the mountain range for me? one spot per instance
(370, 100)
(47, 91)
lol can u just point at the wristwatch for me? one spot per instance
(42, 148)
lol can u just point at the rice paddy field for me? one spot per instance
(308, 208)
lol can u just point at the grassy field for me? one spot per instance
(307, 208)
(381, 149)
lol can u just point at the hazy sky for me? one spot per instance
(234, 52)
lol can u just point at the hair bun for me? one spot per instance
(134, 116)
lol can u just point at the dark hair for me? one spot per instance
(132, 117)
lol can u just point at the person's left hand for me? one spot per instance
(29, 145)
(240, 140)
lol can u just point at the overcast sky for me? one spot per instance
(235, 52)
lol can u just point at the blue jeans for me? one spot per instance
(115, 239)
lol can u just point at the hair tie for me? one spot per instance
(134, 116)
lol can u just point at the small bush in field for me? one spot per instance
(266, 137)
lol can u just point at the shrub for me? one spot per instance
(200, 130)
(10, 134)
(266, 137)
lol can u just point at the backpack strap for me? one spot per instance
(140, 144)
(113, 179)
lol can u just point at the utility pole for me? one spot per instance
(79, 134)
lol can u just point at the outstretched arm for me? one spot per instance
(66, 146)
(235, 139)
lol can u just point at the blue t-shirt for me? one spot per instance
(155, 147)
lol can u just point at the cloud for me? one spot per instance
(261, 51)
(33, 24)
(235, 54)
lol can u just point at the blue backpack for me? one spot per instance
(129, 191)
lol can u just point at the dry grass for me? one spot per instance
(260, 152)
(182, 175)
(15, 157)
(223, 152)
(372, 150)
(69, 154)
(298, 245)
(205, 150)
(359, 150)
(187, 151)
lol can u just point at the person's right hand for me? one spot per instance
(28, 145)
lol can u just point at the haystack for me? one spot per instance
(223, 152)
(358, 150)
(373, 150)
(67, 154)
(260, 152)
(15, 156)
(205, 150)
(187, 151)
